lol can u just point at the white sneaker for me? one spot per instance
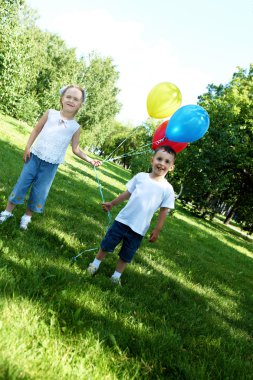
(92, 269)
(4, 215)
(24, 222)
(116, 281)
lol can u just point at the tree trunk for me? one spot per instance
(229, 216)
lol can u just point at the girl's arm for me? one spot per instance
(107, 206)
(35, 132)
(78, 152)
(159, 225)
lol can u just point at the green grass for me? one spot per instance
(185, 310)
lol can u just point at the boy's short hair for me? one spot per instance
(167, 149)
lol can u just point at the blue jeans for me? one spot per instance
(121, 232)
(39, 175)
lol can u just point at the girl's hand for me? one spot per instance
(26, 154)
(107, 206)
(96, 163)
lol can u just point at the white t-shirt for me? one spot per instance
(147, 196)
(54, 138)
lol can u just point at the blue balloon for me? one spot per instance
(189, 123)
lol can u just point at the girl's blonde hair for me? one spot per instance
(64, 89)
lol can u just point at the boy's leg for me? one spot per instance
(112, 238)
(121, 265)
(93, 267)
(101, 255)
(131, 243)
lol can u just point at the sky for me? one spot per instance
(188, 43)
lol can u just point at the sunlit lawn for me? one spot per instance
(184, 310)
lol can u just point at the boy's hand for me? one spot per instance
(153, 237)
(107, 206)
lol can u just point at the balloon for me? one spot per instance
(160, 135)
(163, 100)
(189, 123)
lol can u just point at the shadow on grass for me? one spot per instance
(164, 321)
(218, 225)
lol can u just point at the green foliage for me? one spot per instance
(34, 65)
(218, 169)
(59, 67)
(97, 118)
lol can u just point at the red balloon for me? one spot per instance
(159, 139)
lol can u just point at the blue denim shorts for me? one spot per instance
(38, 175)
(121, 232)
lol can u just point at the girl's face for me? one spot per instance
(72, 100)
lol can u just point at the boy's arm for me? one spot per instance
(107, 206)
(159, 225)
(35, 132)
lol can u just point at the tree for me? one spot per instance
(97, 118)
(218, 169)
(34, 65)
(9, 29)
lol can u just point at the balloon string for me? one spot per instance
(128, 155)
(122, 142)
(102, 196)
(74, 259)
(144, 125)
(137, 151)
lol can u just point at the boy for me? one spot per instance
(146, 193)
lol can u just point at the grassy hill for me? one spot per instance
(184, 311)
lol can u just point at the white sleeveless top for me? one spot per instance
(54, 138)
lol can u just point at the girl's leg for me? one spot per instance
(23, 183)
(7, 213)
(39, 191)
(26, 219)
(10, 206)
(28, 212)
(41, 185)
(112, 238)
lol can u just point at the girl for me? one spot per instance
(51, 137)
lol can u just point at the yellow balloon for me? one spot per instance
(163, 100)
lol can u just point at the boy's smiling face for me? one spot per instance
(162, 162)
